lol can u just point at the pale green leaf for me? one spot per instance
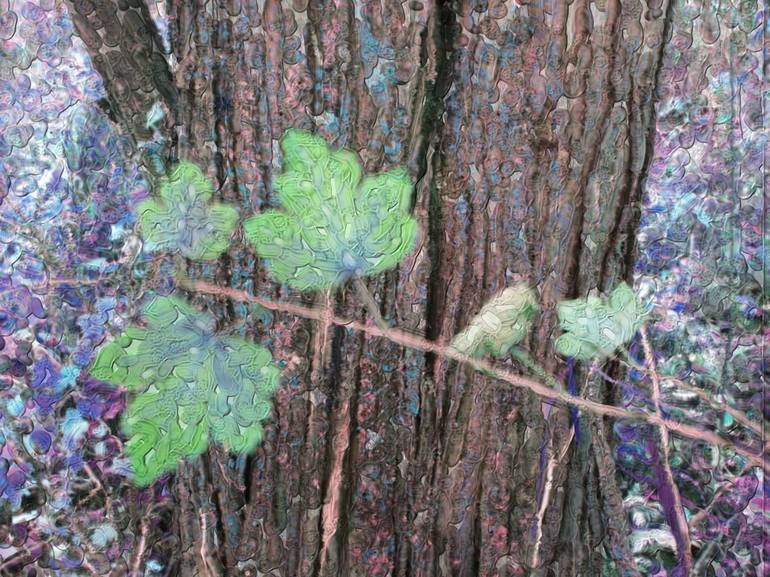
(500, 324)
(595, 327)
(191, 382)
(182, 218)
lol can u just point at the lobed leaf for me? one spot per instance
(190, 383)
(333, 225)
(183, 219)
(594, 327)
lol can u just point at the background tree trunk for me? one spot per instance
(528, 129)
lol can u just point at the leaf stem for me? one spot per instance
(631, 362)
(416, 342)
(363, 293)
(523, 357)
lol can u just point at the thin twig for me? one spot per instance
(371, 304)
(738, 415)
(209, 564)
(320, 340)
(701, 515)
(685, 553)
(552, 462)
(416, 342)
(95, 480)
(330, 513)
(23, 557)
(142, 545)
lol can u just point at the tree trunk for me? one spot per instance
(527, 128)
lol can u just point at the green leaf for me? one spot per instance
(333, 225)
(104, 367)
(387, 191)
(500, 324)
(191, 384)
(303, 150)
(595, 327)
(182, 219)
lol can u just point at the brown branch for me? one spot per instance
(416, 342)
(320, 343)
(136, 563)
(677, 516)
(549, 474)
(208, 561)
(739, 416)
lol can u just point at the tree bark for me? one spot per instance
(528, 129)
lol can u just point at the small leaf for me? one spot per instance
(500, 324)
(595, 327)
(333, 225)
(183, 220)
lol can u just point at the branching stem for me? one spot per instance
(739, 416)
(416, 342)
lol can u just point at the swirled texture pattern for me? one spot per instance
(569, 145)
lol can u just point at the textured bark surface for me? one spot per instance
(527, 129)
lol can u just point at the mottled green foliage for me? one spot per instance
(595, 327)
(501, 323)
(334, 225)
(183, 219)
(190, 384)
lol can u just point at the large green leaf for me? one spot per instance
(333, 225)
(500, 324)
(595, 327)
(183, 219)
(190, 384)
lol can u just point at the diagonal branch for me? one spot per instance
(736, 414)
(672, 501)
(371, 304)
(416, 342)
